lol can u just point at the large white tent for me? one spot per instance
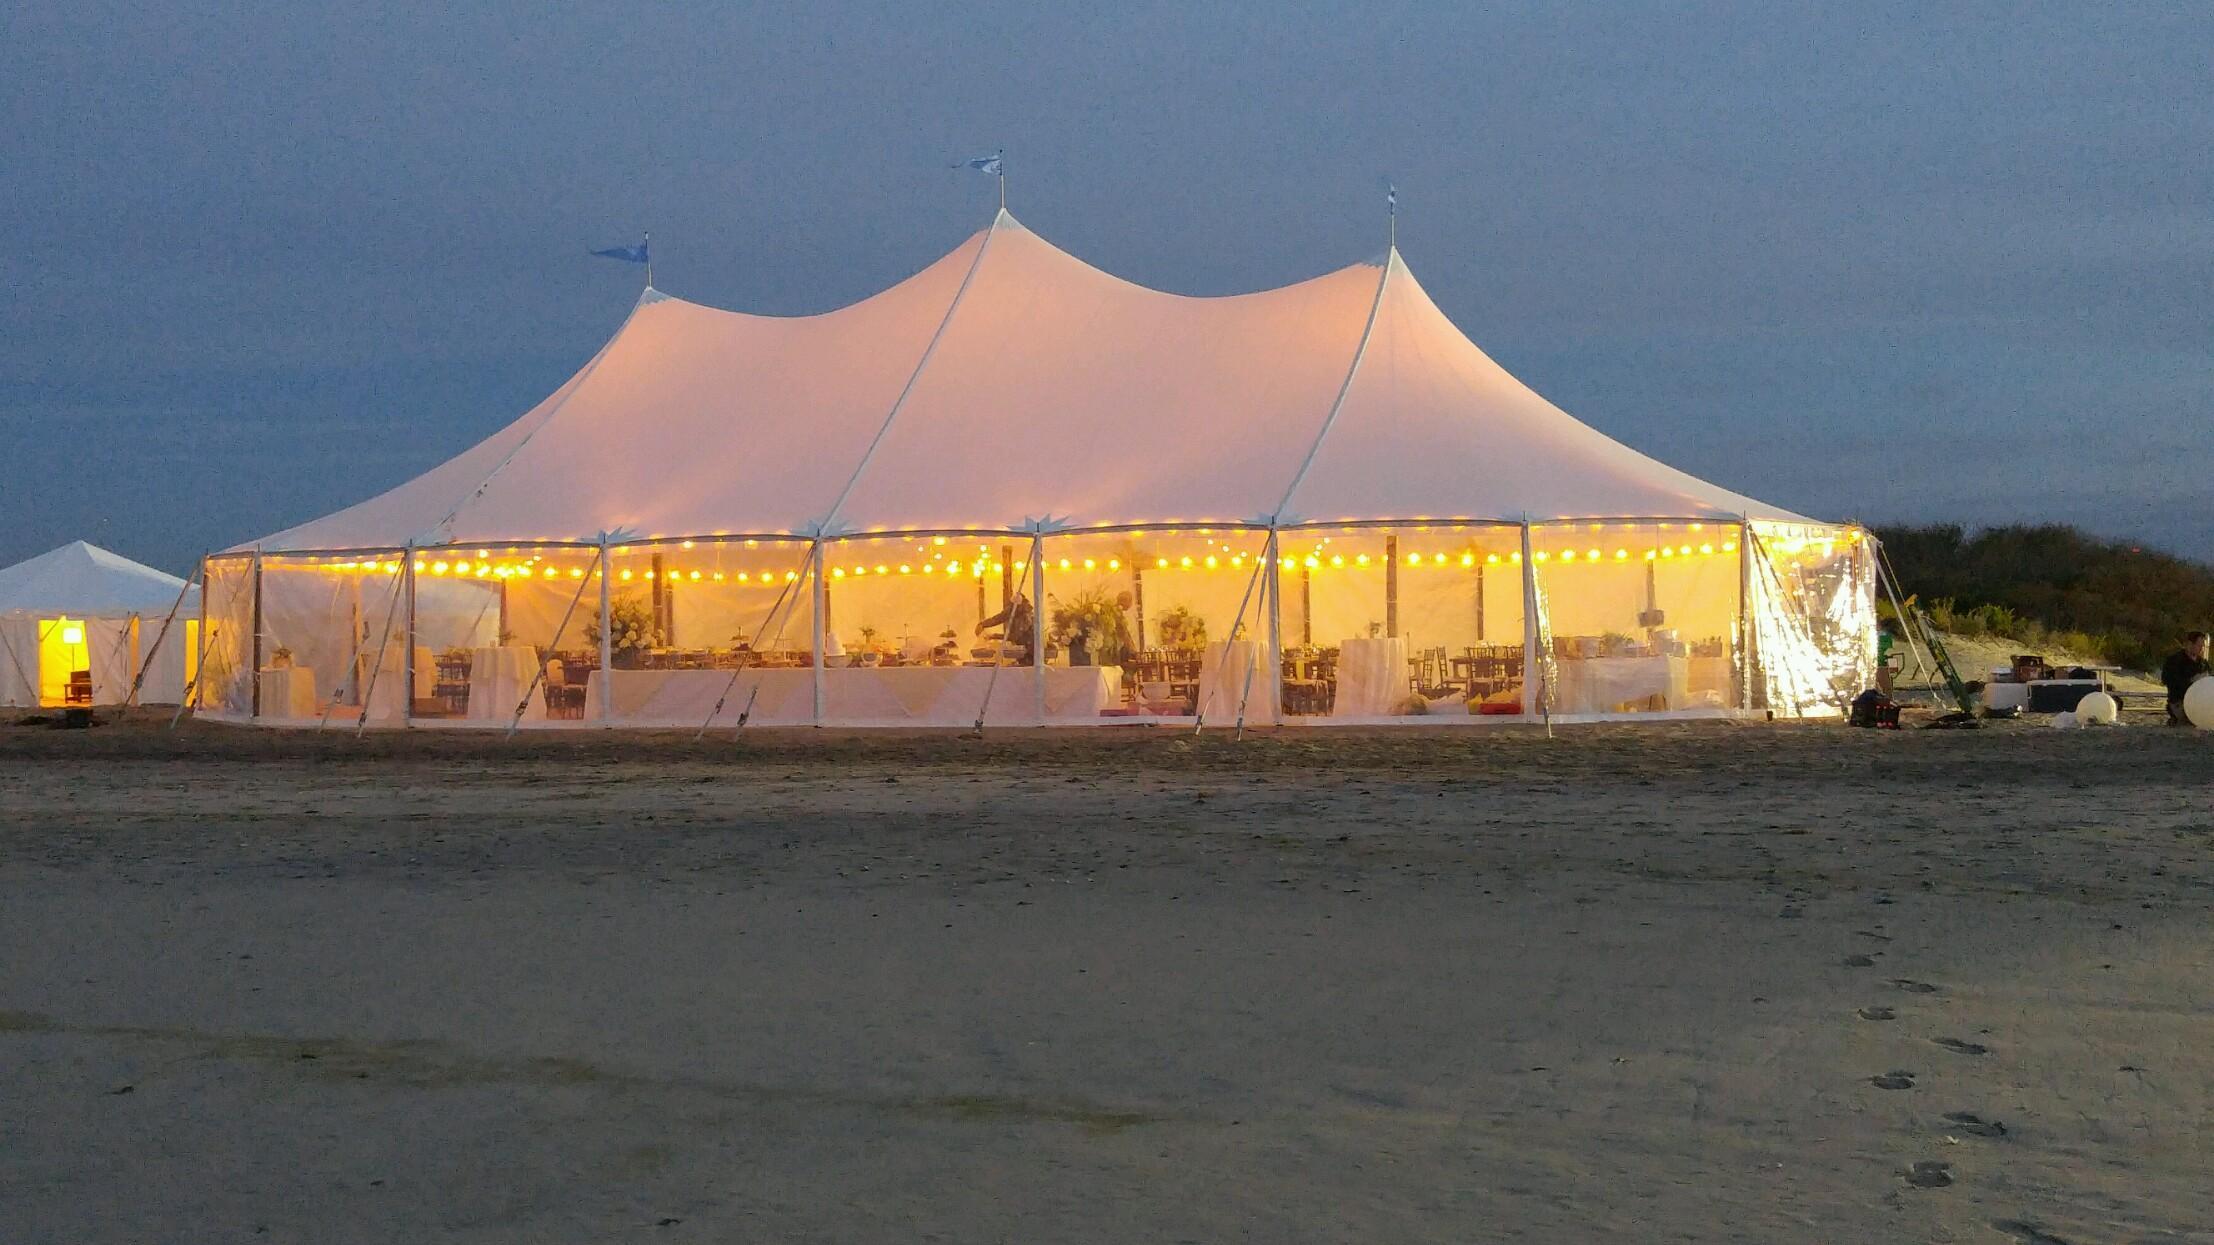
(1314, 503)
(82, 611)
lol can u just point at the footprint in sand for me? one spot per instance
(1857, 961)
(1959, 1047)
(1929, 1175)
(1913, 987)
(2028, 1233)
(1893, 1080)
(1877, 1013)
(1974, 1125)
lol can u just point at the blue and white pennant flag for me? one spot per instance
(984, 164)
(629, 254)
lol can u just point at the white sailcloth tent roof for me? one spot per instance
(83, 580)
(1011, 384)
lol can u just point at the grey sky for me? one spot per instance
(263, 261)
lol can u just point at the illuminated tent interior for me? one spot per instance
(78, 623)
(1314, 504)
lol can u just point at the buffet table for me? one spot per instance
(1601, 684)
(912, 695)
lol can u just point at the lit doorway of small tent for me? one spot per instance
(64, 662)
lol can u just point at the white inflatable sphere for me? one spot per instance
(2097, 709)
(2198, 703)
(2065, 722)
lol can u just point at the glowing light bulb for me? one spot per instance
(1621, 555)
(438, 568)
(695, 575)
(1729, 546)
(1567, 555)
(1066, 564)
(1491, 559)
(1438, 559)
(1539, 555)
(1667, 552)
(1685, 550)
(1414, 559)
(904, 568)
(1362, 560)
(1337, 559)
(837, 573)
(626, 574)
(687, 544)
(1468, 559)
(1593, 554)
(73, 634)
(1160, 562)
(576, 572)
(1186, 562)
(1706, 548)
(1114, 564)
(1515, 558)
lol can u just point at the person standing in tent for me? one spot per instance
(2185, 666)
(1021, 630)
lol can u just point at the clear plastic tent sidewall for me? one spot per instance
(1811, 595)
(1472, 623)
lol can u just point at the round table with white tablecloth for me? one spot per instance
(289, 692)
(498, 678)
(1372, 677)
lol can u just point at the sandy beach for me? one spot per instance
(1668, 983)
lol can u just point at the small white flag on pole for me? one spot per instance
(985, 164)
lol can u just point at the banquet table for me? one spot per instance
(1600, 684)
(1372, 677)
(289, 692)
(498, 677)
(910, 695)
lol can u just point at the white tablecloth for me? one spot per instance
(389, 696)
(1601, 684)
(289, 693)
(498, 678)
(918, 695)
(1223, 682)
(1373, 680)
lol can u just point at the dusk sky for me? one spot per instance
(1876, 262)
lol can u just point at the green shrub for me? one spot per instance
(2054, 586)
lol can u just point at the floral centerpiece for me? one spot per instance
(1181, 629)
(1092, 621)
(632, 629)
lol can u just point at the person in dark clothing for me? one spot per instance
(2185, 666)
(1020, 631)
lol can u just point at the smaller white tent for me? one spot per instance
(82, 610)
